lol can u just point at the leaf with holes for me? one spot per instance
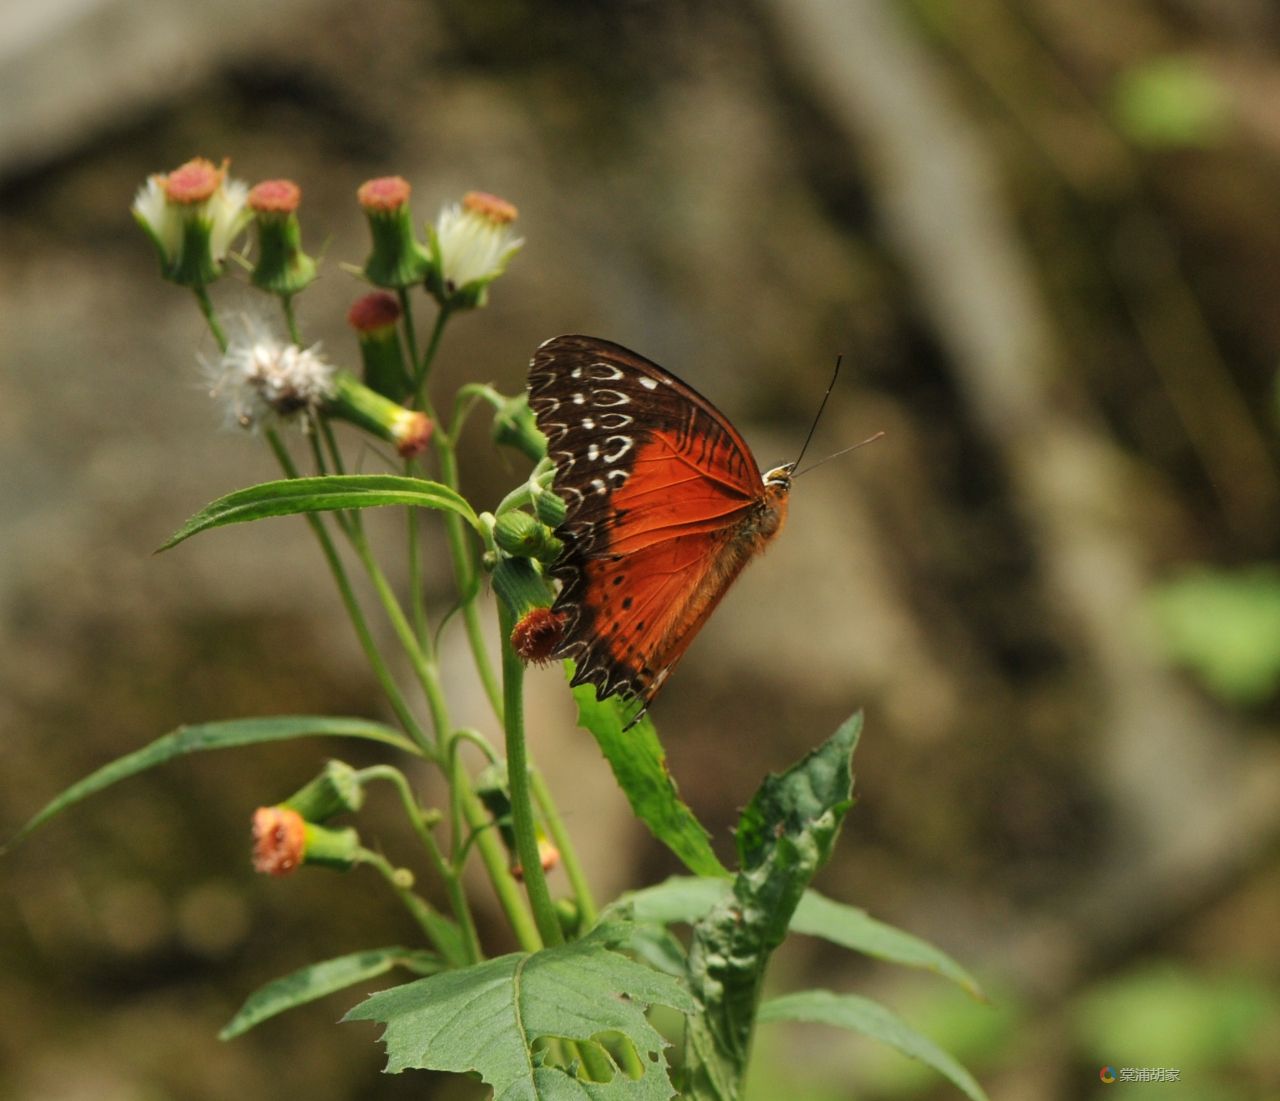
(495, 1018)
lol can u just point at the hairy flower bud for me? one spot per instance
(536, 636)
(337, 790)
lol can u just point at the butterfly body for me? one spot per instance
(665, 507)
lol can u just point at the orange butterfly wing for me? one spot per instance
(665, 506)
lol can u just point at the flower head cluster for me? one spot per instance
(471, 243)
(192, 215)
(260, 378)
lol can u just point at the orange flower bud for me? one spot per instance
(279, 838)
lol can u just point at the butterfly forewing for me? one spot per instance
(657, 483)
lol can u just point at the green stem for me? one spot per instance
(406, 315)
(425, 670)
(464, 575)
(423, 368)
(522, 820)
(211, 317)
(374, 656)
(291, 319)
(417, 592)
(437, 928)
(448, 874)
(568, 854)
(494, 857)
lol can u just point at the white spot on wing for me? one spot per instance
(648, 383)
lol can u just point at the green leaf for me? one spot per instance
(871, 1019)
(850, 927)
(688, 899)
(218, 735)
(488, 1018)
(314, 981)
(784, 836)
(1172, 101)
(1225, 626)
(334, 491)
(639, 765)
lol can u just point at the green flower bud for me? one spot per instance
(337, 790)
(282, 267)
(521, 535)
(356, 403)
(520, 586)
(549, 508)
(514, 426)
(374, 318)
(397, 258)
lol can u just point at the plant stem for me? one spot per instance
(291, 319)
(426, 671)
(448, 874)
(464, 574)
(374, 656)
(568, 854)
(518, 777)
(438, 929)
(211, 317)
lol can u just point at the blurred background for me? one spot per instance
(1044, 235)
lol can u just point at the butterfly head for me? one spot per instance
(780, 476)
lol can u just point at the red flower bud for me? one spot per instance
(537, 635)
(278, 840)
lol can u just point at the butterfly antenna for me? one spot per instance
(814, 427)
(843, 451)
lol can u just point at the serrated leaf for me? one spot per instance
(314, 981)
(850, 927)
(332, 492)
(217, 735)
(871, 1019)
(486, 1019)
(784, 836)
(639, 765)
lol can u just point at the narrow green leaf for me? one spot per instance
(486, 1019)
(218, 735)
(871, 1019)
(850, 927)
(314, 981)
(639, 765)
(335, 491)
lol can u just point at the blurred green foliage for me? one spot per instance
(1167, 1015)
(1171, 101)
(1226, 627)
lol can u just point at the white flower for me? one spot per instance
(470, 246)
(192, 216)
(260, 379)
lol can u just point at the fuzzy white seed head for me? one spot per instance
(261, 379)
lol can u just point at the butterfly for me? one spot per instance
(665, 506)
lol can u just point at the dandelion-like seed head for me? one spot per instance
(260, 379)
